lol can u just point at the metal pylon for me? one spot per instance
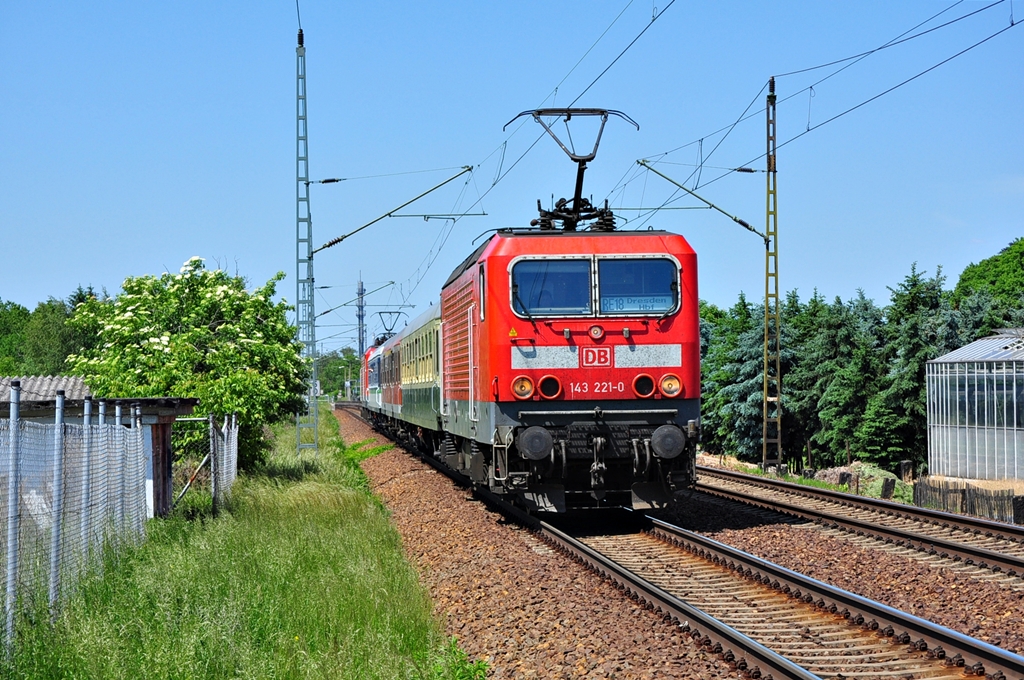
(771, 450)
(305, 316)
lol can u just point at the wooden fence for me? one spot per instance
(957, 496)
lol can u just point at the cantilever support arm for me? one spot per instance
(391, 213)
(737, 220)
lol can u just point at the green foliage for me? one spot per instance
(39, 343)
(200, 334)
(334, 368)
(895, 426)
(302, 577)
(13, 319)
(722, 329)
(1002, 276)
(853, 372)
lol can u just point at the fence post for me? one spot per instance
(213, 461)
(234, 447)
(86, 473)
(888, 486)
(58, 503)
(138, 481)
(13, 518)
(104, 485)
(119, 456)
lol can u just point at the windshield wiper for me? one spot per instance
(515, 297)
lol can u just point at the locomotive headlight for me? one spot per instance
(596, 332)
(522, 387)
(670, 385)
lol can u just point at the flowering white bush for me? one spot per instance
(197, 333)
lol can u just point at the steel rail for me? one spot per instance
(976, 656)
(964, 522)
(971, 555)
(751, 657)
(735, 647)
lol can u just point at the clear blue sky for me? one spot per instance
(136, 135)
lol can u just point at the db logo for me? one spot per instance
(597, 357)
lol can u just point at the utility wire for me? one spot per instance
(899, 40)
(673, 198)
(443, 234)
(895, 41)
(654, 18)
(390, 174)
(894, 87)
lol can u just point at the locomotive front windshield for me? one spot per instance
(630, 286)
(551, 287)
(624, 286)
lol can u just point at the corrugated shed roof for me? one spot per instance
(44, 388)
(1006, 345)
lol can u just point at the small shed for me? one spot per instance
(976, 409)
(39, 401)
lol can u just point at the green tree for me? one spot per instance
(200, 334)
(1001, 275)
(740, 397)
(13, 319)
(895, 423)
(720, 332)
(334, 368)
(805, 382)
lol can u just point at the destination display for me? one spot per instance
(635, 303)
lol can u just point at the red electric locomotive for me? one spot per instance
(561, 367)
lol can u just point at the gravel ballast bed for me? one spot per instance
(527, 610)
(531, 612)
(982, 610)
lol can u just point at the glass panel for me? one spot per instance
(961, 408)
(551, 287)
(641, 286)
(999, 402)
(1019, 387)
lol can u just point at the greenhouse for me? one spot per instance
(976, 409)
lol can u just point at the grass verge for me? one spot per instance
(301, 577)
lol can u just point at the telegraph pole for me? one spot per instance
(305, 316)
(771, 448)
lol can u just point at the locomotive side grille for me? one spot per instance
(454, 307)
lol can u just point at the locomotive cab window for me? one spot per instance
(551, 287)
(637, 286)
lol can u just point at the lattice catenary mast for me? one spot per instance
(305, 316)
(771, 448)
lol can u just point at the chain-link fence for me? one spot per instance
(69, 490)
(222, 458)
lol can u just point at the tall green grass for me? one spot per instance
(301, 577)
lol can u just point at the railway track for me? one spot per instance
(768, 620)
(969, 541)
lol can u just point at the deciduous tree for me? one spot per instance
(197, 333)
